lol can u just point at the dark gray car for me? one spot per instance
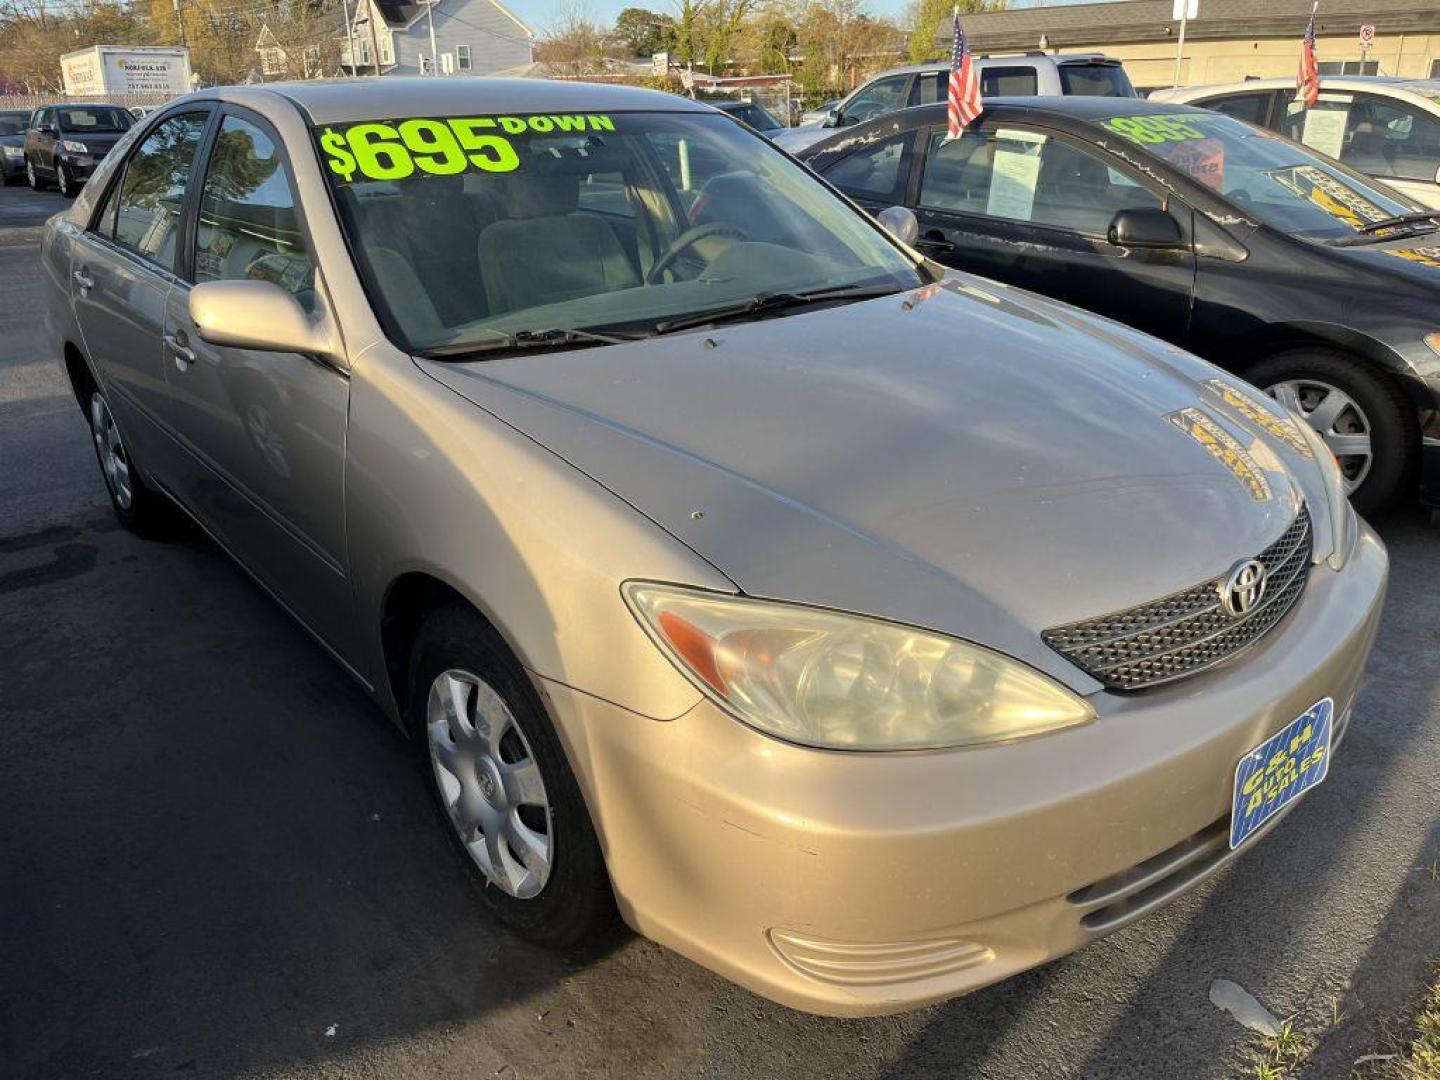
(13, 123)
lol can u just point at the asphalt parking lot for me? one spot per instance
(217, 859)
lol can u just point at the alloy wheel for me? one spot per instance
(114, 461)
(62, 180)
(490, 783)
(30, 177)
(1339, 420)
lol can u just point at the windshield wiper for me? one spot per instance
(555, 338)
(768, 303)
(1400, 219)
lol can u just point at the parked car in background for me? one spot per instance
(64, 143)
(13, 123)
(820, 113)
(923, 84)
(841, 616)
(751, 113)
(1388, 128)
(1307, 278)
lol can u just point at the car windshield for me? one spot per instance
(754, 115)
(99, 119)
(14, 123)
(1095, 80)
(477, 229)
(1287, 186)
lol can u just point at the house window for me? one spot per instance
(364, 51)
(447, 63)
(387, 48)
(462, 57)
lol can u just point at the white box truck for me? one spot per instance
(108, 70)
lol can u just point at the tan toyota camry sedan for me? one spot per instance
(865, 631)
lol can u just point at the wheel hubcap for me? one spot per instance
(490, 783)
(1338, 419)
(114, 461)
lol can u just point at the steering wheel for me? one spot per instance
(688, 239)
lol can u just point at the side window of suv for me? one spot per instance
(248, 225)
(1252, 108)
(147, 208)
(1014, 81)
(880, 97)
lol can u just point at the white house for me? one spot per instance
(472, 37)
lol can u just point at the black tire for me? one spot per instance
(33, 177)
(63, 182)
(139, 509)
(1393, 430)
(576, 900)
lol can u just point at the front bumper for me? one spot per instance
(80, 166)
(858, 884)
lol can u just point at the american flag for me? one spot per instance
(1307, 82)
(964, 103)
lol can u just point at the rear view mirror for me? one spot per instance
(832, 119)
(1145, 228)
(900, 223)
(253, 314)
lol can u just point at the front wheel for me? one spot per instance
(1361, 416)
(63, 184)
(506, 796)
(32, 177)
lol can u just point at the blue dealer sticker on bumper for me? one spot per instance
(1280, 769)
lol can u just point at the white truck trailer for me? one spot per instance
(113, 70)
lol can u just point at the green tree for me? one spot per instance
(923, 19)
(645, 32)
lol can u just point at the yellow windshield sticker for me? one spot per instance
(1274, 426)
(1224, 448)
(396, 149)
(1156, 129)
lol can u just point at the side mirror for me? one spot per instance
(47, 130)
(1145, 228)
(255, 315)
(833, 119)
(900, 223)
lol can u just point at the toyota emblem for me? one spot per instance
(1243, 588)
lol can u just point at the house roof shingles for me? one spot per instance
(1135, 21)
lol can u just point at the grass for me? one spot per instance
(1281, 1053)
(1420, 1059)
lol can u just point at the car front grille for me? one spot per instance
(1187, 631)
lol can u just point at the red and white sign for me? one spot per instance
(1367, 36)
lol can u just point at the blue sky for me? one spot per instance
(541, 14)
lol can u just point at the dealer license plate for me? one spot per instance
(1281, 769)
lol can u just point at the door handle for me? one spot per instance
(83, 279)
(934, 242)
(184, 355)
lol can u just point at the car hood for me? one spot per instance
(972, 459)
(798, 138)
(1415, 258)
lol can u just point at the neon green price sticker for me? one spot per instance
(396, 149)
(1156, 129)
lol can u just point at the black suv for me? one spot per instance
(66, 142)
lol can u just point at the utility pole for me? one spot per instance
(180, 19)
(1183, 10)
(434, 56)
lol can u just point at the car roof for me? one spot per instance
(1378, 83)
(338, 101)
(1082, 107)
(1054, 58)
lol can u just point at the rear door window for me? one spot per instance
(873, 172)
(1095, 80)
(1252, 108)
(880, 97)
(148, 206)
(1012, 81)
(1376, 135)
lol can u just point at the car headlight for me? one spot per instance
(1343, 522)
(827, 679)
(73, 146)
(13, 151)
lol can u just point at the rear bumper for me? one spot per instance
(857, 884)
